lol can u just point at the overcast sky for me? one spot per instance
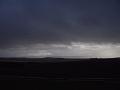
(81, 28)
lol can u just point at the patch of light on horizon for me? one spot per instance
(80, 49)
(98, 50)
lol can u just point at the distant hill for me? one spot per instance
(53, 59)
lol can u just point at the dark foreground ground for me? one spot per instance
(58, 73)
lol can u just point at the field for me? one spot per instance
(60, 72)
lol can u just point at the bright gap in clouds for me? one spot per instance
(76, 50)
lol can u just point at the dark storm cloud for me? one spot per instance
(59, 21)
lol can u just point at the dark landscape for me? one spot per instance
(70, 73)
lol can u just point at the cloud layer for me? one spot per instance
(74, 50)
(28, 22)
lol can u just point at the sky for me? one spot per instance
(60, 28)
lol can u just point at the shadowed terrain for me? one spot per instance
(62, 72)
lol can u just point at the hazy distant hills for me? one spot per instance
(54, 59)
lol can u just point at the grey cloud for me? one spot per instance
(58, 21)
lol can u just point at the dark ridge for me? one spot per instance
(55, 59)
